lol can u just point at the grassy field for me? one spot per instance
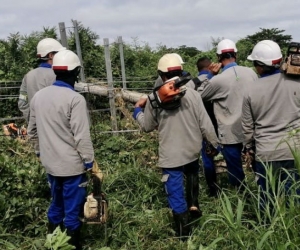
(139, 217)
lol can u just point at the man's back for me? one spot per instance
(275, 110)
(63, 130)
(180, 130)
(34, 81)
(227, 91)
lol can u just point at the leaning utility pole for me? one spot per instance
(63, 34)
(120, 42)
(78, 49)
(111, 94)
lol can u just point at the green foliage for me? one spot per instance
(24, 206)
(58, 240)
(139, 217)
(18, 53)
(274, 34)
(92, 53)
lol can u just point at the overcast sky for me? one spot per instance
(172, 23)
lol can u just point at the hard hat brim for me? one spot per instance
(250, 58)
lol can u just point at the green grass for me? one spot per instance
(139, 217)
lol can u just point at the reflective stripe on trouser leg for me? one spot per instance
(232, 154)
(74, 197)
(56, 209)
(173, 181)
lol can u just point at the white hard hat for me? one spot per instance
(48, 45)
(65, 60)
(180, 58)
(226, 46)
(169, 62)
(267, 52)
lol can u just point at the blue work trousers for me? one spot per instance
(173, 179)
(208, 162)
(233, 157)
(68, 197)
(279, 174)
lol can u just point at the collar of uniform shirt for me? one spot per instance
(203, 72)
(275, 72)
(62, 84)
(229, 65)
(45, 65)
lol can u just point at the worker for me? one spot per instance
(198, 83)
(270, 111)
(226, 91)
(59, 126)
(182, 123)
(40, 77)
(159, 81)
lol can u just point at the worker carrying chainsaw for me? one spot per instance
(182, 122)
(40, 77)
(59, 127)
(270, 111)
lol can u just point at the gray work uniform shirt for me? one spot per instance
(32, 82)
(59, 122)
(202, 78)
(226, 90)
(271, 108)
(181, 131)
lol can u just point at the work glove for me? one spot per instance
(136, 111)
(138, 107)
(210, 150)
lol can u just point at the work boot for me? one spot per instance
(211, 180)
(192, 193)
(182, 227)
(75, 238)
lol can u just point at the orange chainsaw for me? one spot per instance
(168, 95)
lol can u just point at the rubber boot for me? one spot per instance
(182, 227)
(211, 180)
(192, 194)
(52, 227)
(75, 238)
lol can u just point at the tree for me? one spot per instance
(273, 34)
(244, 47)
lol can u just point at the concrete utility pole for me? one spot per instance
(78, 49)
(110, 84)
(120, 42)
(63, 34)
